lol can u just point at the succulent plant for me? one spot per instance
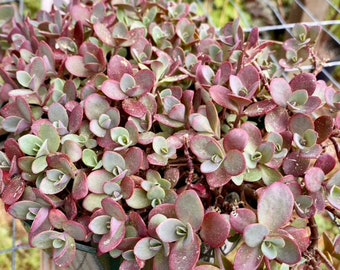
(137, 128)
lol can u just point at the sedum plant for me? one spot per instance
(138, 129)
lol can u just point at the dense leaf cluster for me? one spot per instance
(137, 128)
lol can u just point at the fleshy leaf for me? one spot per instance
(254, 234)
(281, 91)
(185, 254)
(253, 257)
(313, 179)
(171, 230)
(189, 209)
(241, 218)
(138, 199)
(112, 239)
(205, 147)
(215, 229)
(275, 206)
(234, 162)
(76, 66)
(289, 254)
(147, 248)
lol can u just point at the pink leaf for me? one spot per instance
(275, 206)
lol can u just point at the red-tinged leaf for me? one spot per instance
(250, 78)
(276, 120)
(79, 188)
(165, 120)
(220, 94)
(306, 81)
(76, 66)
(112, 90)
(137, 221)
(324, 127)
(114, 209)
(64, 257)
(260, 108)
(205, 74)
(117, 66)
(254, 135)
(248, 258)
(290, 254)
(80, 13)
(57, 218)
(24, 108)
(275, 206)
(104, 34)
(218, 178)
(280, 91)
(112, 239)
(299, 123)
(189, 209)
(13, 190)
(241, 218)
(75, 230)
(76, 118)
(20, 209)
(326, 162)
(133, 158)
(71, 208)
(313, 179)
(295, 165)
(185, 254)
(62, 162)
(95, 105)
(234, 162)
(301, 237)
(134, 107)
(204, 147)
(165, 209)
(12, 149)
(206, 267)
(215, 229)
(145, 80)
(40, 224)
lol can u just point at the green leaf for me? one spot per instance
(49, 133)
(171, 230)
(269, 175)
(147, 248)
(30, 144)
(138, 199)
(24, 78)
(269, 250)
(89, 158)
(254, 234)
(6, 14)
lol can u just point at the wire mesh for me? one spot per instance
(309, 18)
(282, 24)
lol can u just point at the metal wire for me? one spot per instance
(314, 22)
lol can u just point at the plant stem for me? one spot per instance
(336, 147)
(314, 237)
(325, 260)
(190, 177)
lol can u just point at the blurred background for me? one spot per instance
(274, 19)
